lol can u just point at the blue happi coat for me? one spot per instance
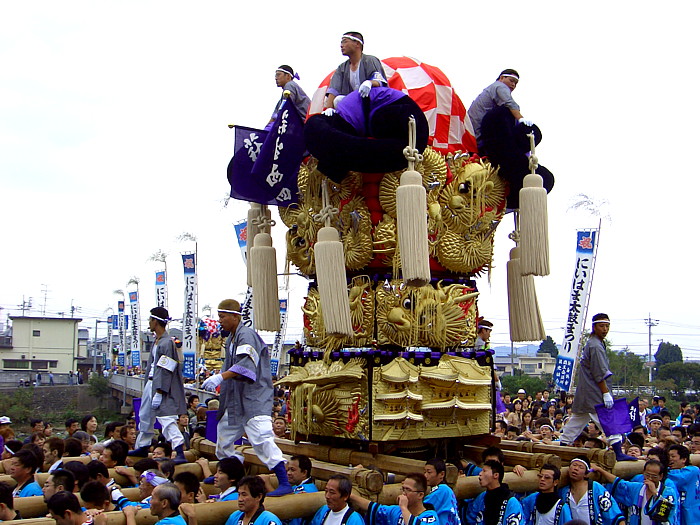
(511, 511)
(391, 515)
(443, 500)
(687, 480)
(563, 512)
(602, 507)
(629, 494)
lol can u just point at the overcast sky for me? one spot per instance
(114, 140)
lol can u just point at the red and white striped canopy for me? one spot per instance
(449, 125)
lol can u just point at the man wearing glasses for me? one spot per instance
(545, 507)
(642, 499)
(409, 511)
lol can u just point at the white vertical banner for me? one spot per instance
(578, 302)
(247, 309)
(189, 316)
(108, 352)
(135, 329)
(161, 289)
(279, 339)
(122, 333)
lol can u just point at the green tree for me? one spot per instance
(627, 366)
(511, 384)
(684, 375)
(98, 387)
(666, 353)
(548, 346)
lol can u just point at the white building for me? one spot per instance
(42, 344)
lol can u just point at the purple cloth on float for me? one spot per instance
(210, 432)
(136, 403)
(351, 110)
(500, 406)
(615, 420)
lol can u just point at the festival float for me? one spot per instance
(392, 229)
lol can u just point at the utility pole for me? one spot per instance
(650, 322)
(45, 290)
(26, 305)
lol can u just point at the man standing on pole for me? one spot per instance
(245, 400)
(593, 388)
(163, 396)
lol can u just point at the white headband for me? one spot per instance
(230, 311)
(484, 326)
(516, 77)
(581, 461)
(293, 75)
(601, 321)
(9, 451)
(160, 318)
(350, 37)
(550, 428)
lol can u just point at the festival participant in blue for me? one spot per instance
(359, 72)
(149, 481)
(593, 388)
(251, 495)
(495, 454)
(246, 396)
(299, 474)
(687, 480)
(496, 505)
(410, 509)
(643, 500)
(546, 507)
(589, 501)
(65, 509)
(336, 511)
(229, 472)
(164, 506)
(284, 78)
(439, 495)
(163, 396)
(23, 465)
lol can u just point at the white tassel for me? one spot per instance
(252, 229)
(534, 235)
(266, 304)
(412, 217)
(523, 309)
(412, 226)
(332, 286)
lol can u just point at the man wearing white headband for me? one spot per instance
(496, 94)
(163, 396)
(589, 502)
(359, 72)
(284, 78)
(245, 400)
(593, 388)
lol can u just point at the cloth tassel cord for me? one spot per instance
(534, 235)
(263, 263)
(411, 217)
(523, 309)
(330, 273)
(252, 230)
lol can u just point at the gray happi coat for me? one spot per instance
(592, 369)
(250, 393)
(170, 383)
(370, 69)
